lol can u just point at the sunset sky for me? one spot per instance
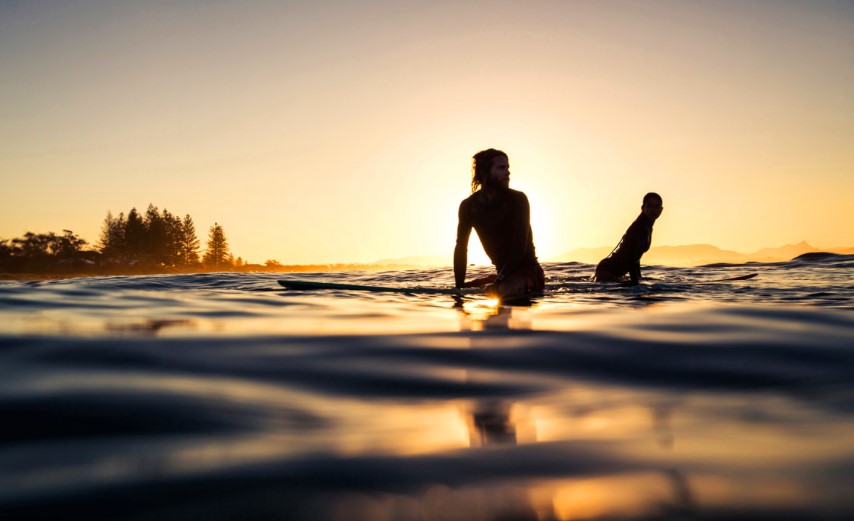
(342, 131)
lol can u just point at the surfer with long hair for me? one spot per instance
(501, 217)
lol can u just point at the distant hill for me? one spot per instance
(790, 251)
(686, 255)
(689, 255)
(699, 254)
(693, 255)
(586, 255)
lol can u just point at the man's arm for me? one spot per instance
(634, 272)
(461, 249)
(634, 243)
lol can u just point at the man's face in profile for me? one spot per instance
(499, 174)
(652, 208)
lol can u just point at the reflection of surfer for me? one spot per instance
(683, 503)
(490, 419)
(478, 316)
(491, 424)
(683, 499)
(495, 422)
(661, 424)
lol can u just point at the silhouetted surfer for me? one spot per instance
(501, 217)
(627, 255)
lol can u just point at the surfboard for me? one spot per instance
(731, 279)
(309, 285)
(715, 281)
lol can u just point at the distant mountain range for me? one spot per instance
(700, 254)
(689, 255)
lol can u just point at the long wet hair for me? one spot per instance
(481, 165)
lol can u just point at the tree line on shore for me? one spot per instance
(156, 241)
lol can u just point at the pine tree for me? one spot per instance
(217, 254)
(172, 238)
(135, 234)
(112, 241)
(156, 242)
(7, 252)
(188, 244)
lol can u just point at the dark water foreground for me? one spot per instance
(222, 396)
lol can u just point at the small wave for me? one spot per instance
(219, 396)
(821, 256)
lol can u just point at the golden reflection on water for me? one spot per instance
(618, 496)
(697, 450)
(404, 429)
(484, 315)
(440, 502)
(730, 461)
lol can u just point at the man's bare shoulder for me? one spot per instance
(472, 200)
(517, 197)
(517, 193)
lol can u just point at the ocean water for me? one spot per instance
(223, 396)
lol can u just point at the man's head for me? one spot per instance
(652, 205)
(490, 169)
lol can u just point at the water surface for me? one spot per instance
(224, 396)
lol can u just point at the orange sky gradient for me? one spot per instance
(343, 131)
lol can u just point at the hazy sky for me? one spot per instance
(342, 131)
